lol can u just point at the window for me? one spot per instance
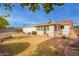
(62, 27)
(47, 28)
(40, 28)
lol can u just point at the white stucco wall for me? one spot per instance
(29, 29)
(40, 32)
(66, 30)
(51, 31)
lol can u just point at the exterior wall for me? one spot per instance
(66, 30)
(51, 31)
(40, 32)
(29, 29)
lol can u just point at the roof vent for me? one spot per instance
(49, 21)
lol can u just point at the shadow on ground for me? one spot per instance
(14, 48)
(47, 48)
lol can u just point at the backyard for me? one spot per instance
(20, 44)
(25, 45)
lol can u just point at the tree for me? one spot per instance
(3, 22)
(48, 7)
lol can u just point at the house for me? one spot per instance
(61, 28)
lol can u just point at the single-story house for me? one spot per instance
(61, 28)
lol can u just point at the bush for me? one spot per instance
(63, 37)
(34, 33)
(10, 36)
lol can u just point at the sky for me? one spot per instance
(23, 16)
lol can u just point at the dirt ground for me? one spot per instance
(32, 45)
(33, 41)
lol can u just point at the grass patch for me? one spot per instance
(18, 47)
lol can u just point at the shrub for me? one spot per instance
(63, 37)
(10, 36)
(34, 33)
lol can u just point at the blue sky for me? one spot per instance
(19, 16)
